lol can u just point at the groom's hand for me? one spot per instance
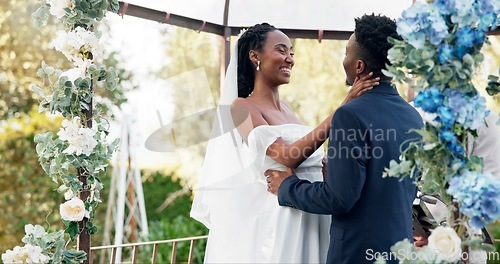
(274, 179)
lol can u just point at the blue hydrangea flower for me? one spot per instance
(422, 22)
(452, 142)
(479, 38)
(478, 197)
(466, 37)
(465, 13)
(445, 53)
(447, 135)
(470, 112)
(446, 116)
(445, 7)
(489, 11)
(438, 29)
(462, 50)
(488, 20)
(429, 100)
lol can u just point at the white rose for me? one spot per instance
(73, 210)
(445, 242)
(57, 7)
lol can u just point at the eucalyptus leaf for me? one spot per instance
(73, 256)
(41, 15)
(467, 59)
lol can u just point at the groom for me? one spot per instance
(369, 213)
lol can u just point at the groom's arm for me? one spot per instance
(347, 152)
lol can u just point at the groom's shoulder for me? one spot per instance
(355, 105)
(349, 110)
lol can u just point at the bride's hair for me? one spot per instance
(253, 39)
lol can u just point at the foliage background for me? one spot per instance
(26, 194)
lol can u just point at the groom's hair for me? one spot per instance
(371, 33)
(254, 38)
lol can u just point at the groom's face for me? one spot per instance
(351, 60)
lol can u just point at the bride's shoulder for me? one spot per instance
(243, 103)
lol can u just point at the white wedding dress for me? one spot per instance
(246, 223)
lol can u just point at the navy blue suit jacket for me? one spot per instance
(369, 213)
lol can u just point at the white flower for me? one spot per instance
(36, 231)
(445, 242)
(73, 210)
(74, 74)
(78, 44)
(69, 194)
(242, 31)
(80, 71)
(26, 254)
(81, 139)
(57, 7)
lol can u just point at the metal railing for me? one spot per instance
(173, 256)
(135, 249)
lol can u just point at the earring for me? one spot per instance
(258, 65)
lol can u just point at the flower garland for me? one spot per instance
(440, 50)
(80, 147)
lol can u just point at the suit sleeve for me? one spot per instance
(347, 154)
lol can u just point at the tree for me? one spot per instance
(318, 84)
(22, 48)
(26, 194)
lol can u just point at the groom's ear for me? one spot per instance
(360, 66)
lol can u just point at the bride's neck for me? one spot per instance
(266, 96)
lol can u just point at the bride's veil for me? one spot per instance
(226, 157)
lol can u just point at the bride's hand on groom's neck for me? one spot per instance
(360, 86)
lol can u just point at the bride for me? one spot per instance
(245, 221)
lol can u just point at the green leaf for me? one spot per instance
(430, 65)
(73, 256)
(467, 59)
(493, 87)
(114, 5)
(38, 91)
(393, 170)
(72, 229)
(92, 229)
(41, 15)
(487, 247)
(84, 5)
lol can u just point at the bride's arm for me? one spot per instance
(292, 155)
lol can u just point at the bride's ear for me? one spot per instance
(253, 56)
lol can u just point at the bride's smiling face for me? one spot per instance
(276, 59)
